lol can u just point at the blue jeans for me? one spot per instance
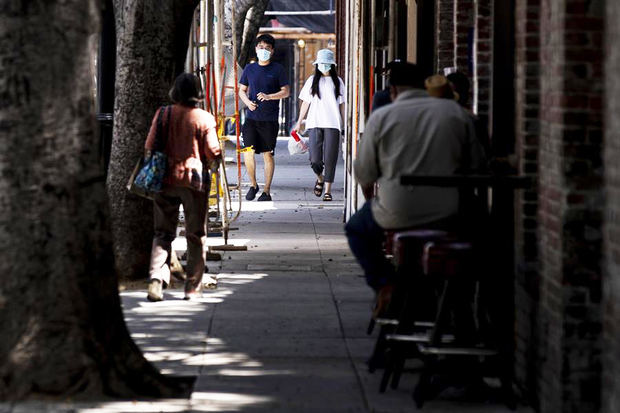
(366, 239)
(366, 242)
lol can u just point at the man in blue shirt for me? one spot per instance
(383, 97)
(261, 87)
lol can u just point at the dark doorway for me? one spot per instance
(426, 36)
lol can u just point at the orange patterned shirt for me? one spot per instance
(192, 141)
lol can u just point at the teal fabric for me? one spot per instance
(151, 175)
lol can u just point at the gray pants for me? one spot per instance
(324, 143)
(166, 214)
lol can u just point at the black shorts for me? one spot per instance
(262, 135)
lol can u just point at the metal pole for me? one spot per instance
(373, 53)
(391, 30)
(203, 38)
(189, 57)
(349, 105)
(218, 17)
(209, 30)
(237, 117)
(300, 13)
(355, 81)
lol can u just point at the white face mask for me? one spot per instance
(324, 68)
(263, 54)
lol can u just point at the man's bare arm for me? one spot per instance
(243, 94)
(284, 92)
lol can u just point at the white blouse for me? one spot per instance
(323, 112)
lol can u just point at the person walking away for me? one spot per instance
(192, 143)
(323, 102)
(461, 85)
(382, 97)
(415, 135)
(438, 86)
(261, 86)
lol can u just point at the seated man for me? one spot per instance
(416, 134)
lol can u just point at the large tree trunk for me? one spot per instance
(249, 17)
(61, 323)
(152, 40)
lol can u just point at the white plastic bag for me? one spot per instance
(297, 148)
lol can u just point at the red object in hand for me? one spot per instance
(295, 136)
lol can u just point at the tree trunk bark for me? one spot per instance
(61, 323)
(152, 40)
(249, 15)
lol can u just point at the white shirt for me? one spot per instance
(421, 135)
(323, 112)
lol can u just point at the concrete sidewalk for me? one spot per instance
(285, 330)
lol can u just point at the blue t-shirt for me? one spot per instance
(267, 79)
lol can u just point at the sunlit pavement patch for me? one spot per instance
(216, 402)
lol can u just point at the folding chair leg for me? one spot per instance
(399, 366)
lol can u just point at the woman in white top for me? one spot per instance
(323, 101)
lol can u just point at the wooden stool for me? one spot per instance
(388, 243)
(407, 248)
(414, 313)
(454, 333)
(403, 246)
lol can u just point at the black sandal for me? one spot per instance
(327, 196)
(318, 188)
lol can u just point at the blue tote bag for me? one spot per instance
(148, 174)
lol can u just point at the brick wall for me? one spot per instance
(570, 205)
(463, 34)
(527, 87)
(611, 297)
(527, 131)
(483, 47)
(444, 13)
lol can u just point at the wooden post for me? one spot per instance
(412, 31)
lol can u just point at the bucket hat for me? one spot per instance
(324, 56)
(438, 86)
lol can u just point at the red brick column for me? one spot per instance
(571, 206)
(527, 131)
(445, 34)
(611, 297)
(464, 31)
(483, 51)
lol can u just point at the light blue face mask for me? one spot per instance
(263, 54)
(324, 68)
